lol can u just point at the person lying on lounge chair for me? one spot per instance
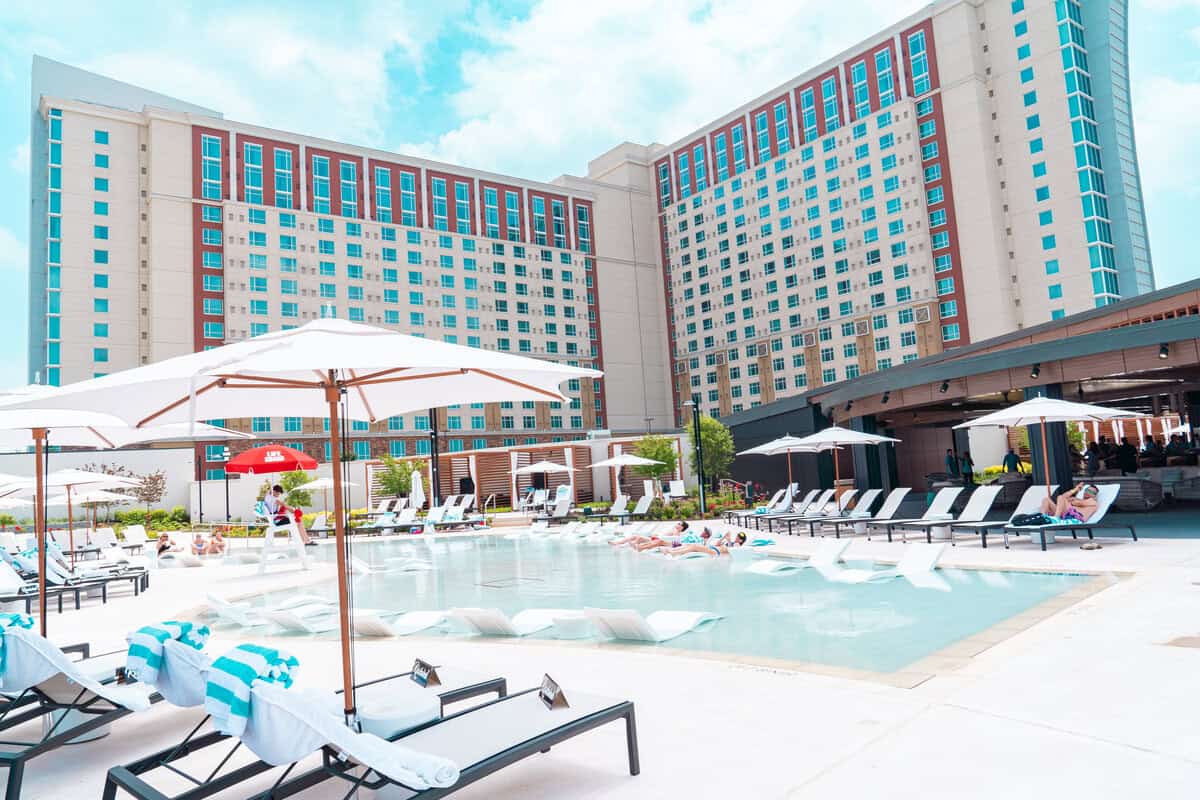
(639, 541)
(720, 547)
(673, 542)
(1076, 505)
(165, 545)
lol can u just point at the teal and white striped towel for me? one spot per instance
(227, 696)
(11, 621)
(145, 656)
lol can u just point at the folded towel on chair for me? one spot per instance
(227, 695)
(11, 621)
(145, 656)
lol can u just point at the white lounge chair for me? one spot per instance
(978, 505)
(676, 489)
(494, 622)
(1106, 494)
(817, 517)
(429, 758)
(828, 554)
(619, 508)
(918, 560)
(75, 700)
(940, 506)
(323, 618)
(773, 505)
(135, 537)
(891, 504)
(1030, 503)
(660, 626)
(562, 508)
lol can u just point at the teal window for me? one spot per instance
(1035, 145)
(100, 280)
(1042, 193)
(1039, 169)
(1029, 98)
(1049, 242)
(1055, 291)
(260, 425)
(1058, 313)
(258, 328)
(1018, 6)
(1023, 52)
(397, 448)
(100, 354)
(100, 231)
(1021, 28)
(258, 308)
(210, 213)
(100, 160)
(100, 137)
(1033, 122)
(362, 450)
(1027, 75)
(100, 208)
(1045, 217)
(213, 306)
(1052, 266)
(99, 305)
(289, 309)
(100, 184)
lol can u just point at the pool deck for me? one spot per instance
(1086, 698)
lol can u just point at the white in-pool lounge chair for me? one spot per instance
(918, 560)
(942, 502)
(659, 626)
(494, 622)
(1106, 493)
(828, 554)
(43, 683)
(287, 725)
(391, 566)
(248, 616)
(323, 618)
(978, 505)
(179, 560)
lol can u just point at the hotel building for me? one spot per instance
(962, 174)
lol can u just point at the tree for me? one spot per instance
(395, 479)
(656, 448)
(288, 481)
(105, 509)
(151, 489)
(717, 444)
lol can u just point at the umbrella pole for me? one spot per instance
(789, 458)
(1045, 458)
(70, 527)
(39, 522)
(331, 395)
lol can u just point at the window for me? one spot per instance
(320, 184)
(950, 332)
(919, 65)
(252, 174)
(1055, 291)
(100, 354)
(348, 174)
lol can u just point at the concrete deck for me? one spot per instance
(1090, 701)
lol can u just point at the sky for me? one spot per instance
(534, 89)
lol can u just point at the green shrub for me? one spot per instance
(179, 514)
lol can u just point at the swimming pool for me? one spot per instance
(799, 616)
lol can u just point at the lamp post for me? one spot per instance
(435, 472)
(699, 452)
(201, 466)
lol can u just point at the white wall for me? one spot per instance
(176, 463)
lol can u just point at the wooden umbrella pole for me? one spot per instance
(39, 522)
(789, 458)
(331, 395)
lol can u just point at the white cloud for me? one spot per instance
(288, 67)
(1167, 125)
(571, 80)
(19, 161)
(14, 254)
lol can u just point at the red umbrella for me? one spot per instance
(270, 458)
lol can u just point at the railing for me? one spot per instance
(491, 500)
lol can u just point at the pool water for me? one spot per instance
(797, 616)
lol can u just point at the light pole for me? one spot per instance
(699, 452)
(649, 422)
(201, 467)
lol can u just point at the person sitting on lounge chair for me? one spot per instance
(199, 546)
(639, 542)
(718, 548)
(216, 544)
(1076, 505)
(165, 545)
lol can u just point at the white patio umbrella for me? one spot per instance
(784, 445)
(92, 498)
(542, 466)
(1039, 411)
(324, 484)
(314, 371)
(416, 492)
(834, 437)
(625, 460)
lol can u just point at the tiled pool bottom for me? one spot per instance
(793, 617)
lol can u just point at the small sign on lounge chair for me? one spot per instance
(551, 693)
(425, 674)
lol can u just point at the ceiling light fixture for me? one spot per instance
(1036, 371)
(1164, 350)
(886, 396)
(945, 387)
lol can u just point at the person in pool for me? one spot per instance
(671, 542)
(1076, 505)
(199, 546)
(639, 541)
(721, 547)
(216, 544)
